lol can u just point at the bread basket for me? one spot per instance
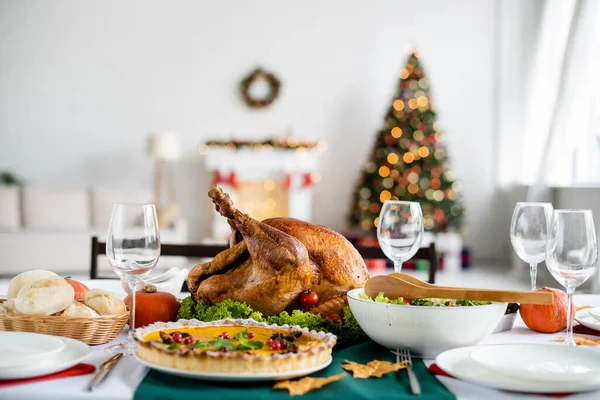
(90, 330)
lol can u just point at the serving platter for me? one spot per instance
(230, 377)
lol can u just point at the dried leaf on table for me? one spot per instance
(307, 384)
(383, 367)
(374, 368)
(358, 370)
(581, 341)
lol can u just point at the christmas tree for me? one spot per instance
(408, 161)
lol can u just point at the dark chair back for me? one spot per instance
(210, 251)
(183, 250)
(424, 253)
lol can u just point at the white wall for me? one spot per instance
(83, 82)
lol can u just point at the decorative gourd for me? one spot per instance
(79, 288)
(547, 318)
(152, 306)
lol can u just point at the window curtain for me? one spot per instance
(562, 92)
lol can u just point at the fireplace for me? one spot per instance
(264, 180)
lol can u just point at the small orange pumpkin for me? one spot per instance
(153, 306)
(79, 288)
(548, 318)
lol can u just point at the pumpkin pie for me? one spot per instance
(233, 346)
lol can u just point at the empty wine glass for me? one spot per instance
(571, 253)
(133, 249)
(400, 230)
(529, 230)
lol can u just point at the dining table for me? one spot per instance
(123, 380)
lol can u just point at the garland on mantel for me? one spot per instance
(289, 143)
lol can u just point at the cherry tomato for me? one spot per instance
(308, 298)
(251, 335)
(334, 316)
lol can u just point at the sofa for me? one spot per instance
(51, 228)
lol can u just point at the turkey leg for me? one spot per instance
(265, 243)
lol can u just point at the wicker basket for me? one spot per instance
(90, 330)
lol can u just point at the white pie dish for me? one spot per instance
(235, 377)
(427, 331)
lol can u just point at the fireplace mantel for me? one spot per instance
(288, 177)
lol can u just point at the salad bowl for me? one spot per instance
(427, 331)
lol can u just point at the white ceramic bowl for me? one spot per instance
(427, 331)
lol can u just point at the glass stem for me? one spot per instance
(569, 340)
(133, 286)
(533, 275)
(397, 265)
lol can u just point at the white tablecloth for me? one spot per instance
(128, 373)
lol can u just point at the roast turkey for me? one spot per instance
(270, 263)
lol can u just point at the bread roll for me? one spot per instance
(104, 303)
(44, 297)
(77, 309)
(26, 278)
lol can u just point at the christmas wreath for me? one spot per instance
(256, 75)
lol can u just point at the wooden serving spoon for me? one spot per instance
(416, 281)
(393, 287)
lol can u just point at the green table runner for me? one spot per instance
(158, 385)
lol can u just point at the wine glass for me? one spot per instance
(133, 249)
(529, 230)
(400, 230)
(571, 253)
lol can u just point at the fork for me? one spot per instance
(404, 357)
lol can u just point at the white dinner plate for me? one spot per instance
(230, 377)
(585, 319)
(73, 353)
(594, 312)
(26, 348)
(539, 362)
(458, 363)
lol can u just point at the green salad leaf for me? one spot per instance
(429, 302)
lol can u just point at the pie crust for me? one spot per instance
(314, 348)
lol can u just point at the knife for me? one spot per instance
(104, 369)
